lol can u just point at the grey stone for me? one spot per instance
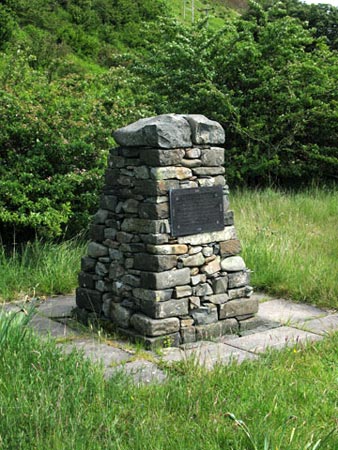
(238, 279)
(203, 289)
(240, 292)
(275, 339)
(154, 263)
(116, 271)
(101, 269)
(96, 250)
(153, 188)
(110, 233)
(97, 232)
(115, 161)
(215, 354)
(207, 238)
(164, 173)
(200, 171)
(323, 325)
(131, 280)
(152, 295)
(256, 325)
(192, 153)
(153, 211)
(194, 250)
(165, 280)
(130, 205)
(191, 163)
(186, 321)
(156, 239)
(212, 267)
(216, 330)
(220, 285)
(123, 237)
(101, 216)
(182, 291)
(47, 327)
(145, 225)
(110, 177)
(238, 307)
(219, 299)
(205, 131)
(108, 202)
(194, 302)
(88, 264)
(120, 315)
(233, 264)
(141, 172)
(115, 255)
(286, 312)
(103, 285)
(230, 247)
(130, 152)
(86, 280)
(188, 184)
(154, 327)
(89, 299)
(207, 251)
(165, 131)
(194, 260)
(162, 310)
(158, 157)
(213, 156)
(171, 249)
(56, 307)
(188, 335)
(199, 278)
(152, 342)
(205, 314)
(228, 218)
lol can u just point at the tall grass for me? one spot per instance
(40, 268)
(290, 241)
(50, 400)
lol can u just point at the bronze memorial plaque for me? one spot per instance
(196, 210)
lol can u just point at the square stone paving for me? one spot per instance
(323, 325)
(287, 312)
(276, 339)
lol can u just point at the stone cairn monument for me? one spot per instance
(163, 265)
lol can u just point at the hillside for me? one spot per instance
(71, 71)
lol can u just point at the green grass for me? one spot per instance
(290, 241)
(40, 268)
(49, 400)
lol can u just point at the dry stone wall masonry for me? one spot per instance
(150, 285)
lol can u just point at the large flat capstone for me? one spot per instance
(170, 131)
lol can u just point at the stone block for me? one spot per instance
(194, 302)
(228, 218)
(199, 278)
(89, 299)
(240, 292)
(152, 343)
(145, 225)
(165, 173)
(220, 285)
(153, 188)
(205, 131)
(141, 172)
(205, 314)
(207, 238)
(130, 206)
(218, 299)
(238, 279)
(96, 250)
(192, 153)
(203, 289)
(212, 267)
(216, 330)
(162, 310)
(213, 156)
(158, 157)
(88, 264)
(165, 280)
(116, 271)
(165, 131)
(108, 202)
(96, 232)
(109, 233)
(230, 248)
(233, 264)
(153, 210)
(152, 295)
(156, 239)
(170, 249)
(102, 269)
(182, 291)
(208, 171)
(131, 280)
(188, 335)
(120, 315)
(100, 216)
(86, 280)
(239, 307)
(191, 163)
(154, 327)
(111, 177)
(154, 263)
(194, 260)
